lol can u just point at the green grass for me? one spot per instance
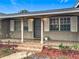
(5, 52)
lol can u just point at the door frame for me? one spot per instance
(34, 27)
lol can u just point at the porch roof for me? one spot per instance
(41, 13)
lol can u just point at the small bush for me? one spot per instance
(61, 46)
(76, 47)
(64, 49)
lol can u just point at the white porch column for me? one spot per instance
(22, 30)
(42, 31)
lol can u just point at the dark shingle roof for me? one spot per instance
(45, 11)
(39, 13)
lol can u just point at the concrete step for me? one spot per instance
(30, 47)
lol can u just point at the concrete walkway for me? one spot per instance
(18, 55)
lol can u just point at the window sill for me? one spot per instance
(59, 31)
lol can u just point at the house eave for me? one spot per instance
(74, 10)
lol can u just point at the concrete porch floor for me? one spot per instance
(19, 41)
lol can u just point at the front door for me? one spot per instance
(37, 28)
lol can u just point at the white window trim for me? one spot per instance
(60, 23)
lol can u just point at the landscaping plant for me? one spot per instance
(64, 49)
(75, 47)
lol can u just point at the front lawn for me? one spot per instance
(5, 52)
(6, 49)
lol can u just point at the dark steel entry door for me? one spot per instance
(37, 27)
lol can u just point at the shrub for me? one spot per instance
(61, 46)
(64, 49)
(75, 46)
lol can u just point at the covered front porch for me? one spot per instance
(21, 29)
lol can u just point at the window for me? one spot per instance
(54, 24)
(25, 25)
(60, 24)
(65, 24)
(17, 24)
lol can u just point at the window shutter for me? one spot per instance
(11, 25)
(46, 24)
(74, 24)
(30, 24)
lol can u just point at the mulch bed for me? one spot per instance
(7, 46)
(57, 53)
